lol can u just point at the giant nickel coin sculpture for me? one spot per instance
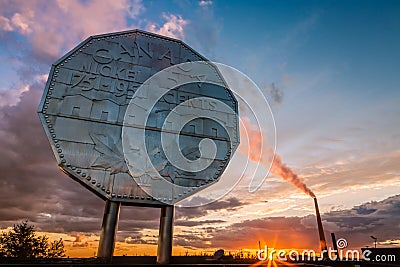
(139, 119)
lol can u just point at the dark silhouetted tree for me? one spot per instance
(56, 249)
(22, 242)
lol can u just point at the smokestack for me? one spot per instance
(335, 247)
(322, 240)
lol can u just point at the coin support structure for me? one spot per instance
(164, 248)
(108, 230)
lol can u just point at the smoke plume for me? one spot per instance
(265, 156)
(282, 170)
(275, 93)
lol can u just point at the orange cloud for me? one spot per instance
(5, 24)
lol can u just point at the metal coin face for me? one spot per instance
(177, 139)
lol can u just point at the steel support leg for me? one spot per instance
(164, 249)
(108, 231)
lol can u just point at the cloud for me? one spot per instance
(356, 225)
(205, 3)
(378, 218)
(196, 223)
(173, 27)
(11, 97)
(5, 24)
(17, 22)
(229, 204)
(276, 93)
(277, 232)
(347, 172)
(141, 240)
(21, 23)
(135, 8)
(31, 183)
(57, 27)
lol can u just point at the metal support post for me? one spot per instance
(164, 249)
(335, 247)
(108, 231)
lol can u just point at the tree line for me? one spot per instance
(22, 242)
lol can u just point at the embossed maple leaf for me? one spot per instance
(111, 156)
(141, 167)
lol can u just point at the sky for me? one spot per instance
(329, 70)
